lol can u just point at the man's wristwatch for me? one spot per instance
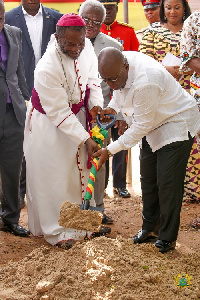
(109, 153)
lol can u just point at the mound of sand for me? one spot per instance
(71, 216)
(101, 268)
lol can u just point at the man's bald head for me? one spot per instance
(109, 56)
(113, 67)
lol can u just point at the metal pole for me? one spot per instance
(125, 10)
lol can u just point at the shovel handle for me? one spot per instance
(90, 185)
(94, 168)
(106, 126)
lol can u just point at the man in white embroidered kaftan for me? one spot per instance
(56, 145)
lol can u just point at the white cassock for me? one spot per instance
(54, 142)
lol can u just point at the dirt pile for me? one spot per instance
(101, 268)
(71, 216)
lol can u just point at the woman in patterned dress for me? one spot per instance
(164, 36)
(157, 41)
(190, 56)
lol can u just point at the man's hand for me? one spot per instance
(121, 125)
(174, 71)
(194, 64)
(104, 118)
(103, 156)
(94, 112)
(92, 146)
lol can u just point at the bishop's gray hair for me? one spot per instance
(95, 4)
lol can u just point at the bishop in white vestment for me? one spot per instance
(55, 132)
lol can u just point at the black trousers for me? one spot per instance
(23, 178)
(162, 183)
(11, 153)
(119, 164)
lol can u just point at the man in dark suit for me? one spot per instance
(19, 17)
(125, 34)
(37, 23)
(93, 13)
(13, 92)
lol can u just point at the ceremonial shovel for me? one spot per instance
(102, 128)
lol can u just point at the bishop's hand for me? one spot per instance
(92, 146)
(94, 112)
(102, 154)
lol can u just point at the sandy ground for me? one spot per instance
(109, 267)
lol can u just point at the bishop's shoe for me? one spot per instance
(103, 231)
(107, 220)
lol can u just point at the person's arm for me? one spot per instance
(174, 71)
(147, 44)
(55, 102)
(145, 107)
(145, 103)
(194, 64)
(20, 70)
(92, 146)
(120, 123)
(189, 46)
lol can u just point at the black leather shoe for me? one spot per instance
(165, 246)
(103, 231)
(22, 201)
(106, 219)
(143, 236)
(123, 192)
(16, 230)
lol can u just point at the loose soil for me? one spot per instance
(71, 216)
(109, 267)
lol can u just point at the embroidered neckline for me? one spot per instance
(61, 61)
(77, 79)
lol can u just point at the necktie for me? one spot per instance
(0, 54)
(1, 61)
(1, 58)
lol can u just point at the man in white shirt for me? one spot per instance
(34, 24)
(166, 118)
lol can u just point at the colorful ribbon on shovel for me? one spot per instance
(98, 135)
